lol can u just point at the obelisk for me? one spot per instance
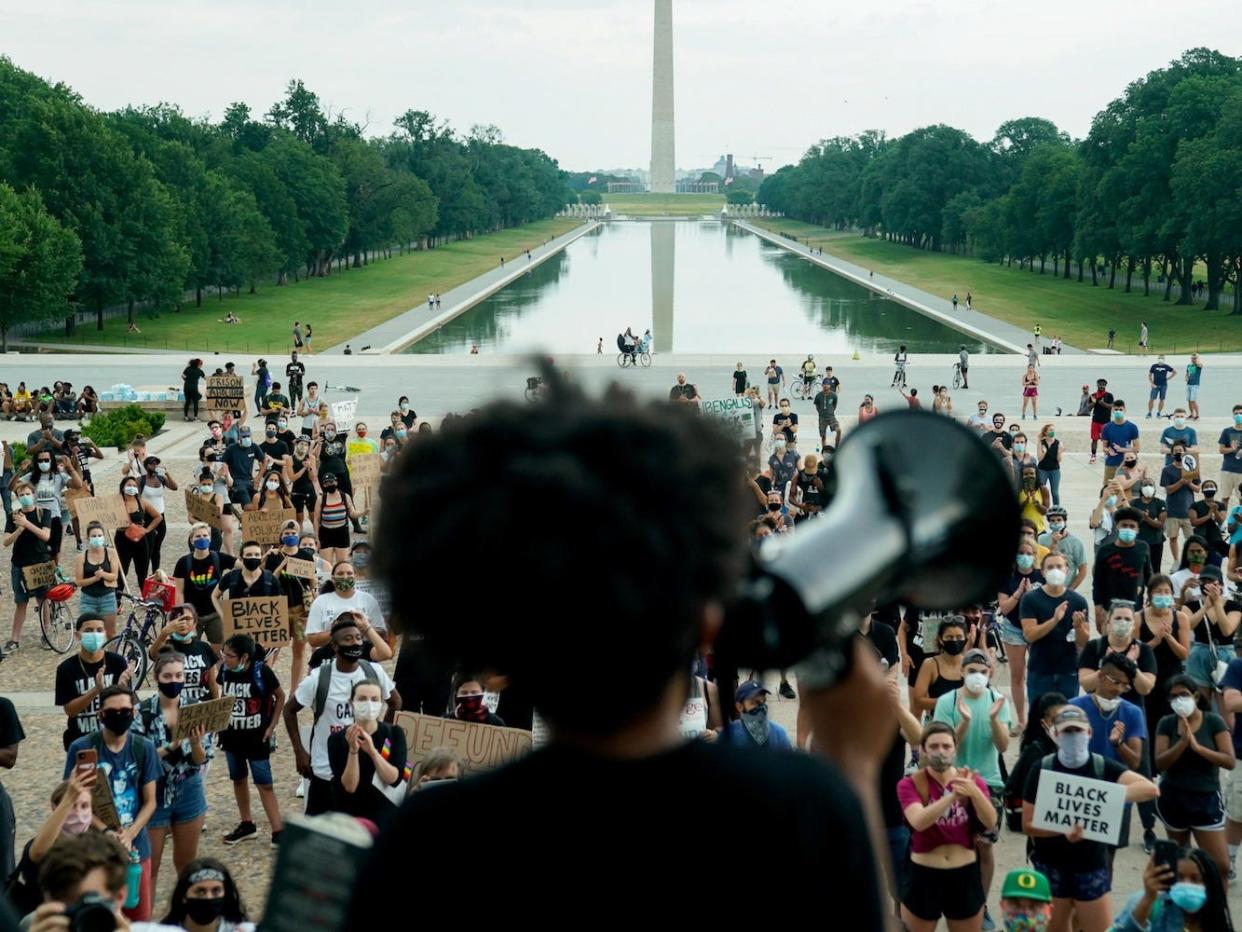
(662, 159)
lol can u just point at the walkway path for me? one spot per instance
(985, 328)
(396, 333)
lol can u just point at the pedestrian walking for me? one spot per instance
(1112, 336)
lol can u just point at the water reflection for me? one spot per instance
(701, 287)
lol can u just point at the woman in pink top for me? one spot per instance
(867, 410)
(946, 806)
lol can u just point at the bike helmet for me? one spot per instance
(1057, 511)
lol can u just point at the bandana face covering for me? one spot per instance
(471, 709)
(756, 724)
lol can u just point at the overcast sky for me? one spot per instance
(573, 77)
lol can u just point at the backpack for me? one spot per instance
(325, 681)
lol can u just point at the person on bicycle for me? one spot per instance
(808, 375)
(95, 573)
(644, 344)
(81, 678)
(900, 358)
(963, 365)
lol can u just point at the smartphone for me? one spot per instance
(86, 760)
(1165, 854)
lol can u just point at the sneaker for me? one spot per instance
(300, 791)
(11, 646)
(1149, 415)
(276, 839)
(786, 691)
(1233, 872)
(989, 924)
(244, 832)
(1092, 460)
(1149, 840)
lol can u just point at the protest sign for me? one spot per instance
(365, 470)
(302, 569)
(263, 617)
(480, 746)
(1065, 800)
(225, 393)
(39, 576)
(264, 526)
(343, 412)
(213, 715)
(102, 804)
(108, 510)
(202, 508)
(71, 495)
(736, 415)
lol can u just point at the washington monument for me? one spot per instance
(662, 159)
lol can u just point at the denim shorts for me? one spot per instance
(97, 604)
(1011, 634)
(1159, 391)
(1083, 886)
(1192, 392)
(189, 803)
(262, 769)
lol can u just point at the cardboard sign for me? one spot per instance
(1065, 800)
(102, 803)
(301, 569)
(212, 714)
(365, 469)
(201, 508)
(264, 526)
(342, 413)
(71, 495)
(108, 510)
(481, 747)
(736, 415)
(226, 392)
(39, 576)
(263, 617)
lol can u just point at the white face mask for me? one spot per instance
(272, 485)
(366, 710)
(976, 682)
(1121, 628)
(131, 490)
(1182, 706)
(1107, 706)
(1149, 490)
(1055, 576)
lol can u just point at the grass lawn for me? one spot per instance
(339, 306)
(1079, 314)
(665, 205)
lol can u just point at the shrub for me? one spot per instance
(118, 428)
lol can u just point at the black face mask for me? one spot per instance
(952, 648)
(204, 911)
(251, 563)
(117, 721)
(774, 506)
(171, 690)
(352, 652)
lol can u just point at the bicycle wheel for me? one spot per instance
(621, 359)
(58, 624)
(957, 378)
(645, 359)
(135, 654)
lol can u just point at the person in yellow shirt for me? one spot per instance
(22, 401)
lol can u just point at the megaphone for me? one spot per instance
(924, 514)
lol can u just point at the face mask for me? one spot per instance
(780, 445)
(206, 488)
(1073, 748)
(245, 441)
(1162, 601)
(1051, 434)
(774, 506)
(1130, 464)
(362, 432)
(953, 648)
(26, 501)
(282, 424)
(76, 824)
(1111, 501)
(202, 543)
(1019, 448)
(131, 490)
(1119, 415)
(344, 583)
(1209, 493)
(1121, 628)
(329, 435)
(290, 541)
(1189, 897)
(1107, 706)
(1237, 419)
(1056, 527)
(366, 710)
(400, 434)
(1023, 920)
(117, 721)
(272, 485)
(216, 432)
(1127, 535)
(940, 761)
(404, 406)
(183, 638)
(171, 690)
(1149, 491)
(1025, 561)
(93, 641)
(361, 561)
(204, 911)
(330, 487)
(1184, 706)
(45, 465)
(1196, 559)
(271, 435)
(976, 682)
(98, 542)
(1055, 577)
(756, 724)
(1179, 422)
(251, 563)
(352, 652)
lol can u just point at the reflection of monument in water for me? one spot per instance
(663, 262)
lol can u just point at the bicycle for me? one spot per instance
(806, 390)
(135, 637)
(55, 619)
(634, 359)
(534, 388)
(957, 375)
(990, 627)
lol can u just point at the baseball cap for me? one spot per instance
(975, 655)
(1211, 573)
(1026, 884)
(1071, 716)
(748, 690)
(243, 432)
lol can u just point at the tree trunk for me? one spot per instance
(4, 338)
(1215, 268)
(198, 295)
(357, 260)
(1187, 276)
(1042, 257)
(1146, 276)
(99, 314)
(1080, 271)
(1129, 272)
(1094, 280)
(130, 310)
(1168, 278)
(1056, 260)
(1237, 288)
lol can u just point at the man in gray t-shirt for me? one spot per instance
(963, 360)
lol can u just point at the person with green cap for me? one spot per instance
(1026, 901)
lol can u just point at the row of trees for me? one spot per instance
(1155, 188)
(142, 205)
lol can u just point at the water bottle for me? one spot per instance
(133, 881)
